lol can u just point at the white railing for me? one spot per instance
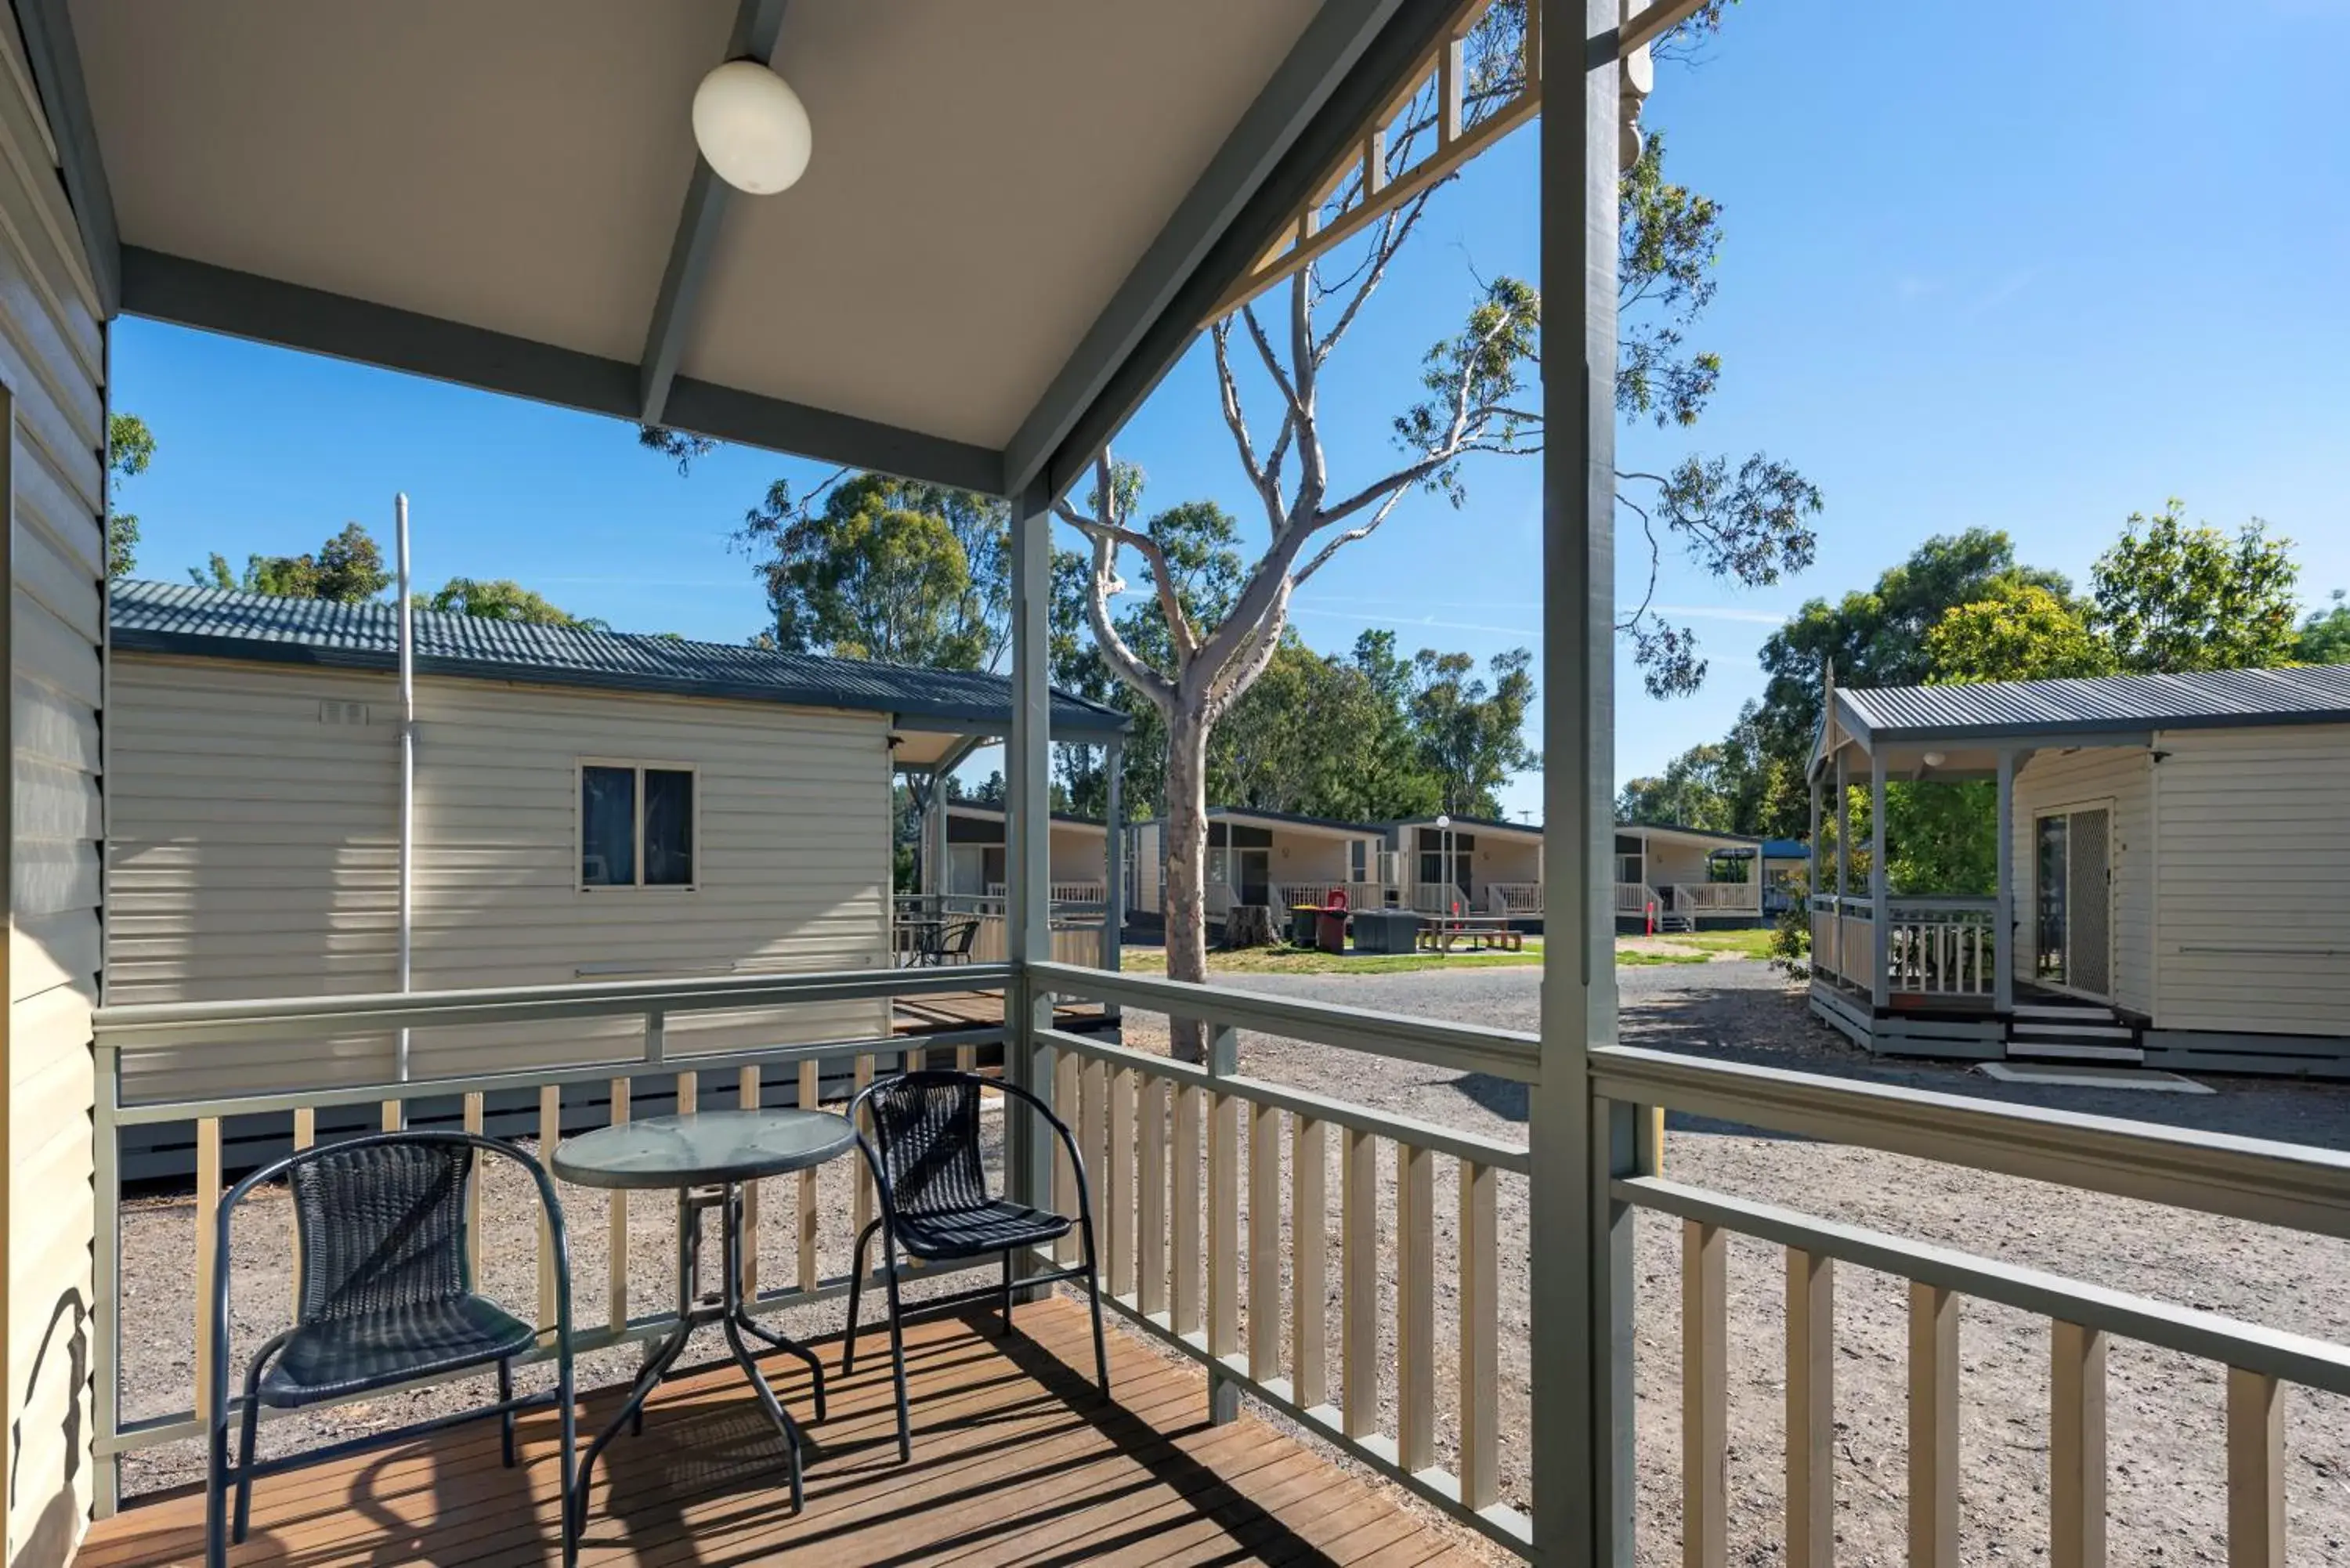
(1635, 898)
(1717, 897)
(1441, 899)
(801, 1074)
(1288, 896)
(1514, 897)
(1844, 940)
(1941, 946)
(1076, 892)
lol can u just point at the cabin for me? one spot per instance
(1674, 879)
(1274, 859)
(1469, 865)
(2172, 880)
(975, 850)
(586, 807)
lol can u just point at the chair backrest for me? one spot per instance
(926, 1136)
(382, 1227)
(958, 943)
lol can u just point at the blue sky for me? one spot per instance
(2031, 279)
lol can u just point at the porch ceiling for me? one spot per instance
(1007, 205)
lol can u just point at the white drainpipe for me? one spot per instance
(406, 773)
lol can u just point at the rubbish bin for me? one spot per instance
(1302, 920)
(1331, 928)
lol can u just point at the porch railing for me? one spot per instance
(1941, 946)
(1514, 897)
(1717, 898)
(1843, 942)
(802, 1074)
(1635, 898)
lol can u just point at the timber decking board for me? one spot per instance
(1016, 1461)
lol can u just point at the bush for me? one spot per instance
(1790, 937)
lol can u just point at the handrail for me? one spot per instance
(2274, 1352)
(2294, 1185)
(131, 1025)
(1509, 1054)
(1303, 1101)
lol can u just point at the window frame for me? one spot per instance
(637, 884)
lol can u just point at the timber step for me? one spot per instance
(2072, 1031)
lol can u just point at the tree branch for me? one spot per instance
(1236, 420)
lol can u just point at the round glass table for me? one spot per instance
(705, 1159)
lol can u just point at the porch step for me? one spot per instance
(2064, 1012)
(2063, 1051)
(2022, 1030)
(2072, 1031)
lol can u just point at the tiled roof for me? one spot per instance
(2203, 700)
(164, 618)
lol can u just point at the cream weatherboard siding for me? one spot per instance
(254, 853)
(2120, 777)
(2252, 929)
(53, 367)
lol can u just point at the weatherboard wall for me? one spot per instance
(2252, 929)
(53, 367)
(256, 854)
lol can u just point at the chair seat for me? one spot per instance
(970, 1233)
(352, 1355)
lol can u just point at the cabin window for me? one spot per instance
(636, 824)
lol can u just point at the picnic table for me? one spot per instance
(1445, 933)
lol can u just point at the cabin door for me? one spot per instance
(2073, 900)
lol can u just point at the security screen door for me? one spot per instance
(2073, 858)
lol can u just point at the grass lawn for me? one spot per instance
(1700, 947)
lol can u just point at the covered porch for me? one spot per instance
(1671, 878)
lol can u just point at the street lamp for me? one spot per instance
(1451, 873)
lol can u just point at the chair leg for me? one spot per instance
(216, 1488)
(897, 1347)
(856, 1287)
(1008, 1294)
(575, 1508)
(250, 1428)
(1093, 1298)
(506, 1417)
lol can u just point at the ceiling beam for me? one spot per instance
(1344, 70)
(56, 63)
(246, 305)
(757, 23)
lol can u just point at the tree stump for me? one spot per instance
(1249, 926)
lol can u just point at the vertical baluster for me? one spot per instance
(2077, 1446)
(615, 1262)
(1117, 1183)
(1933, 1427)
(209, 1262)
(1810, 1410)
(1223, 1226)
(1150, 1227)
(1416, 1306)
(689, 1092)
(860, 1077)
(811, 1098)
(1065, 1106)
(1265, 1243)
(1093, 1133)
(550, 1133)
(1358, 1266)
(1705, 1396)
(473, 1190)
(1309, 1254)
(746, 1097)
(306, 1133)
(2255, 1471)
(392, 1118)
(1189, 1255)
(967, 1058)
(1481, 1290)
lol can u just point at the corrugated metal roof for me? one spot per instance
(165, 617)
(2309, 694)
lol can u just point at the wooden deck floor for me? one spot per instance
(1015, 1462)
(944, 1011)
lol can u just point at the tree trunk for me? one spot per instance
(1186, 871)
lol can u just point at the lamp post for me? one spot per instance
(1451, 877)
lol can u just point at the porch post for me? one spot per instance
(934, 839)
(1580, 1287)
(1844, 850)
(1114, 858)
(1027, 772)
(1812, 887)
(1881, 927)
(2002, 948)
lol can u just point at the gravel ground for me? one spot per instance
(2167, 1473)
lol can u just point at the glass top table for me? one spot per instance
(705, 1157)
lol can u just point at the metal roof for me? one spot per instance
(164, 618)
(2307, 694)
(1691, 832)
(1475, 824)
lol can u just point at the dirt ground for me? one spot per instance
(2167, 1473)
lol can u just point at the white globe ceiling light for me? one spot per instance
(753, 128)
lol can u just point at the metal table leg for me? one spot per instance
(733, 1315)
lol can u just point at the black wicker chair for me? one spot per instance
(955, 943)
(386, 1294)
(924, 1152)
